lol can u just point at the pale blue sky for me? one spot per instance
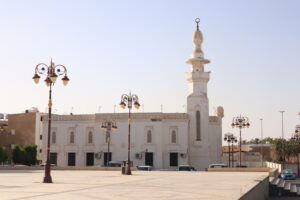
(113, 47)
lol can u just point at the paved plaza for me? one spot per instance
(107, 185)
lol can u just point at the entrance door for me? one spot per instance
(53, 158)
(173, 159)
(107, 158)
(149, 158)
(89, 159)
(71, 159)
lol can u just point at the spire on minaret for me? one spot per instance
(197, 40)
(197, 52)
(198, 77)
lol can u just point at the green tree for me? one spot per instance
(295, 152)
(3, 154)
(289, 149)
(18, 155)
(268, 140)
(279, 148)
(30, 154)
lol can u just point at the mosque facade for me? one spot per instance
(162, 140)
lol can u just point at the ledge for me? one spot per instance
(273, 172)
(65, 168)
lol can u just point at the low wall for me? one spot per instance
(274, 165)
(273, 172)
(293, 167)
(64, 168)
(259, 191)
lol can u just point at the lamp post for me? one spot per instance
(129, 99)
(261, 147)
(240, 122)
(233, 140)
(108, 126)
(282, 135)
(230, 138)
(51, 72)
(296, 138)
(282, 131)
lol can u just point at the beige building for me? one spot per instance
(22, 129)
(251, 154)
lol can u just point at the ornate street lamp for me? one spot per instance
(129, 99)
(108, 126)
(296, 138)
(240, 122)
(230, 138)
(52, 72)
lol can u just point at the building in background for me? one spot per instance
(22, 129)
(251, 154)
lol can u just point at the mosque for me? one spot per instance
(161, 140)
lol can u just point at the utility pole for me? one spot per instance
(282, 131)
(261, 145)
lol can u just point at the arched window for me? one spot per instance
(149, 136)
(173, 137)
(90, 137)
(53, 139)
(72, 138)
(198, 126)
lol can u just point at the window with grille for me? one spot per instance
(72, 137)
(90, 137)
(53, 140)
(149, 136)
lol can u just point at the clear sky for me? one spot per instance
(113, 47)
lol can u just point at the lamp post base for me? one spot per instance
(47, 179)
(128, 172)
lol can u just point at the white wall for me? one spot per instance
(161, 145)
(215, 141)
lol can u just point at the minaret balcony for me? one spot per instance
(198, 76)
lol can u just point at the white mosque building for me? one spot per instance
(162, 140)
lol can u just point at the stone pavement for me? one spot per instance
(108, 185)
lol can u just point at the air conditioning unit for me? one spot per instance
(182, 155)
(98, 155)
(138, 156)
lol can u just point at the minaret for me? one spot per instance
(197, 105)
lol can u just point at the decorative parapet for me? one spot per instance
(119, 116)
(150, 116)
(214, 119)
(71, 117)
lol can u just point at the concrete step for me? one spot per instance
(298, 190)
(294, 188)
(275, 181)
(287, 186)
(271, 180)
(281, 183)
